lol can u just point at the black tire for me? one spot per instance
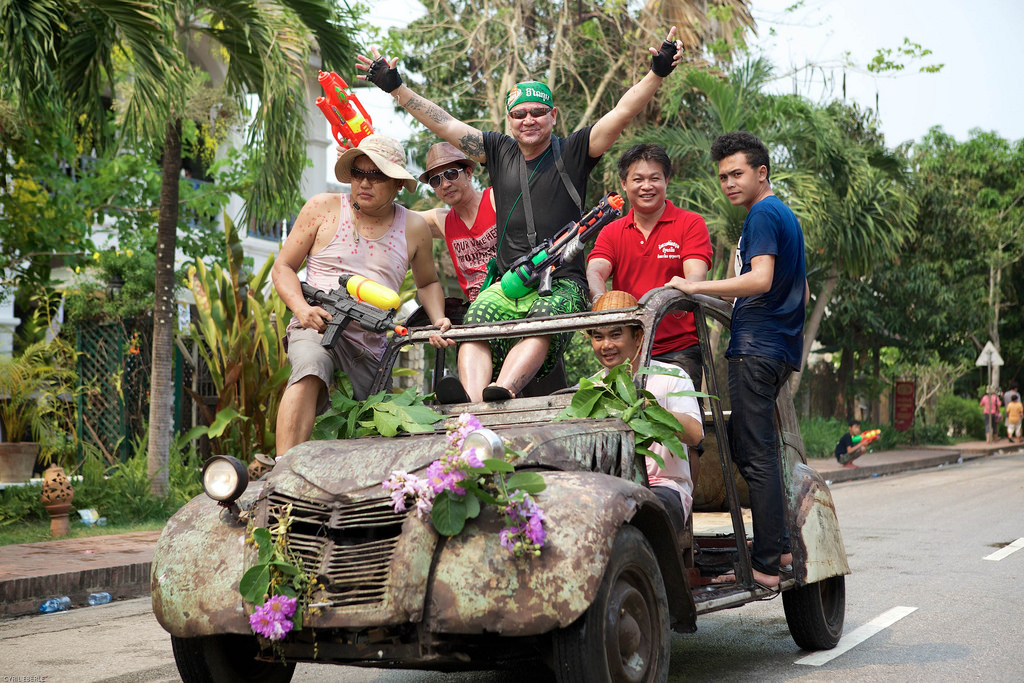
(815, 613)
(226, 658)
(624, 634)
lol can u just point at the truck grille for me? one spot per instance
(347, 545)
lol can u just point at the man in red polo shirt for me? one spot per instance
(654, 240)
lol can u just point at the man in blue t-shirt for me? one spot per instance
(766, 342)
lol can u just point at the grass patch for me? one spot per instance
(35, 531)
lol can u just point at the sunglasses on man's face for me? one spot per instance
(535, 112)
(449, 174)
(373, 176)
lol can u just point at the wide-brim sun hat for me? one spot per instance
(442, 154)
(386, 154)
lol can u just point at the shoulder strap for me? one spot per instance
(524, 183)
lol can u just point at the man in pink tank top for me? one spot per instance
(468, 227)
(365, 233)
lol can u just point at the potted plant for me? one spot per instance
(34, 389)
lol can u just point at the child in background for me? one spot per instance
(1014, 415)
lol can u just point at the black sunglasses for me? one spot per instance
(374, 176)
(449, 174)
(535, 112)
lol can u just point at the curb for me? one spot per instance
(23, 596)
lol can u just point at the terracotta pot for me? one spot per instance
(56, 487)
(260, 465)
(17, 461)
(57, 496)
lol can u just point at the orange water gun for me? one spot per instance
(349, 121)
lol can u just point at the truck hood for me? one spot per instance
(326, 470)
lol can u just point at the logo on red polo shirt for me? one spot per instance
(669, 249)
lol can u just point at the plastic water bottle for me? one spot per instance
(99, 598)
(56, 605)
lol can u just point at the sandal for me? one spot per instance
(495, 393)
(450, 390)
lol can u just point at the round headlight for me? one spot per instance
(224, 478)
(486, 442)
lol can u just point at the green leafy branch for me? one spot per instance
(615, 395)
(383, 413)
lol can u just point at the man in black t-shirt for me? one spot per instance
(540, 183)
(846, 451)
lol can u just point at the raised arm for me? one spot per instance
(385, 76)
(608, 128)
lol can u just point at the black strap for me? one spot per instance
(524, 183)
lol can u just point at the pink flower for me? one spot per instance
(272, 619)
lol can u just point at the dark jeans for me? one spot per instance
(754, 385)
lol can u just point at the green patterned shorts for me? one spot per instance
(491, 305)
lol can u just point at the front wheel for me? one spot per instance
(226, 658)
(623, 637)
(815, 613)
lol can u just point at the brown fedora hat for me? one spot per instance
(442, 154)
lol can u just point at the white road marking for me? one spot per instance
(850, 640)
(1005, 551)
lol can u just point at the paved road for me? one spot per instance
(916, 544)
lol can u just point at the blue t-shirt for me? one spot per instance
(771, 324)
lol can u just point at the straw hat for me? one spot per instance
(614, 300)
(386, 153)
(442, 154)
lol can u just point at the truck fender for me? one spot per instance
(478, 586)
(198, 562)
(817, 537)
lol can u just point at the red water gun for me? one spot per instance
(348, 123)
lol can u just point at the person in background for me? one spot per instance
(990, 408)
(468, 227)
(1014, 415)
(846, 451)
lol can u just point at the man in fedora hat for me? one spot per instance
(363, 233)
(540, 181)
(671, 483)
(468, 226)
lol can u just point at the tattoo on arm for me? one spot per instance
(472, 144)
(431, 110)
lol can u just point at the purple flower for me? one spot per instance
(282, 604)
(405, 487)
(525, 531)
(272, 619)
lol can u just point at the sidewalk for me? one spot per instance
(120, 564)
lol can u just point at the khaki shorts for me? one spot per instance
(307, 357)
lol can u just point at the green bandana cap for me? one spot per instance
(528, 91)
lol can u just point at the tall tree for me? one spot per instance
(468, 53)
(266, 49)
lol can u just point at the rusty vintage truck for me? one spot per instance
(598, 604)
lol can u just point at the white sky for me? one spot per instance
(980, 44)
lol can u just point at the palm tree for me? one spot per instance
(64, 50)
(852, 198)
